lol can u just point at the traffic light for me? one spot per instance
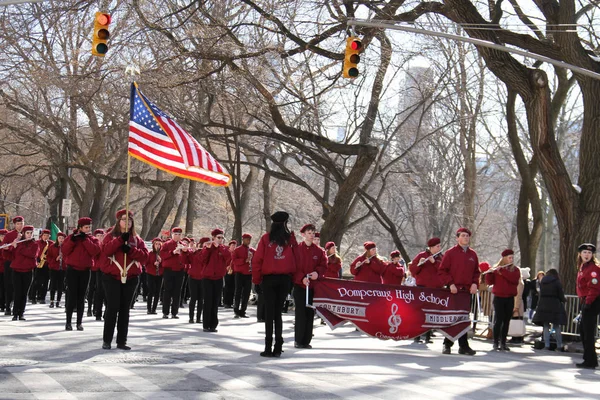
(101, 34)
(351, 57)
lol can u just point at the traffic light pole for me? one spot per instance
(477, 42)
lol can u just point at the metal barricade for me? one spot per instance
(572, 307)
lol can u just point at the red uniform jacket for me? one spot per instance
(239, 257)
(41, 245)
(505, 281)
(272, 259)
(151, 268)
(215, 261)
(392, 274)
(459, 267)
(309, 259)
(588, 282)
(367, 272)
(9, 252)
(169, 260)
(196, 267)
(25, 257)
(334, 266)
(80, 254)
(52, 255)
(1, 263)
(115, 258)
(427, 274)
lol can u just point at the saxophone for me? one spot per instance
(43, 256)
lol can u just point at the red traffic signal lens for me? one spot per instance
(103, 34)
(353, 72)
(101, 48)
(354, 59)
(103, 19)
(356, 45)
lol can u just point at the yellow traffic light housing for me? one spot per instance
(351, 57)
(101, 34)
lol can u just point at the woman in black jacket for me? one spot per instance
(550, 308)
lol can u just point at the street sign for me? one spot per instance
(4, 221)
(66, 208)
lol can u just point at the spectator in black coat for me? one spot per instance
(551, 308)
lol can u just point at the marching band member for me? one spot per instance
(459, 271)
(94, 286)
(424, 269)
(588, 290)
(242, 259)
(125, 252)
(311, 264)
(317, 239)
(505, 277)
(23, 264)
(8, 256)
(187, 248)
(79, 249)
(173, 273)
(99, 295)
(393, 272)
(41, 274)
(273, 266)
(196, 276)
(368, 267)
(215, 258)
(334, 262)
(3, 233)
(56, 266)
(154, 273)
(229, 279)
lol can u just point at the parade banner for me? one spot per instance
(391, 312)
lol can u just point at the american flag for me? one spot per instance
(154, 138)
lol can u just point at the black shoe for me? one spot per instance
(228, 306)
(191, 321)
(496, 347)
(7, 312)
(446, 350)
(89, 313)
(51, 304)
(585, 366)
(58, 304)
(42, 301)
(148, 312)
(267, 354)
(244, 315)
(105, 346)
(205, 330)
(466, 351)
(98, 318)
(15, 318)
(165, 316)
(68, 327)
(213, 330)
(198, 321)
(175, 317)
(418, 340)
(34, 301)
(307, 346)
(505, 347)
(79, 327)
(123, 347)
(22, 318)
(260, 320)
(298, 345)
(153, 312)
(236, 316)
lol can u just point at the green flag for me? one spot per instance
(54, 231)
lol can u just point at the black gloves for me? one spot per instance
(78, 236)
(125, 236)
(125, 248)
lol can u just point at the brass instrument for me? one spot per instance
(43, 256)
(494, 269)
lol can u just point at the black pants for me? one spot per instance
(8, 285)
(260, 303)
(42, 276)
(57, 279)
(144, 284)
(21, 284)
(587, 329)
(211, 292)
(275, 289)
(77, 282)
(2, 299)
(118, 302)
(154, 283)
(93, 286)
(196, 299)
(185, 289)
(304, 316)
(172, 281)
(31, 293)
(99, 296)
(243, 285)
(503, 310)
(228, 289)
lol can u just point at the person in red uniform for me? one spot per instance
(39, 287)
(311, 264)
(79, 250)
(99, 297)
(154, 273)
(241, 259)
(57, 269)
(196, 275)
(94, 284)
(459, 271)
(23, 264)
(317, 239)
(8, 254)
(368, 267)
(588, 290)
(273, 267)
(424, 268)
(393, 272)
(334, 262)
(505, 278)
(126, 253)
(173, 273)
(215, 258)
(186, 245)
(3, 233)
(229, 280)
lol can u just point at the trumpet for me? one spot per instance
(10, 244)
(424, 260)
(494, 269)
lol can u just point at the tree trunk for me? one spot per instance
(266, 191)
(167, 205)
(191, 208)
(180, 207)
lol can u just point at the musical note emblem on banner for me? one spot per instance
(394, 320)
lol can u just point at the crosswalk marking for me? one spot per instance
(41, 385)
(133, 382)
